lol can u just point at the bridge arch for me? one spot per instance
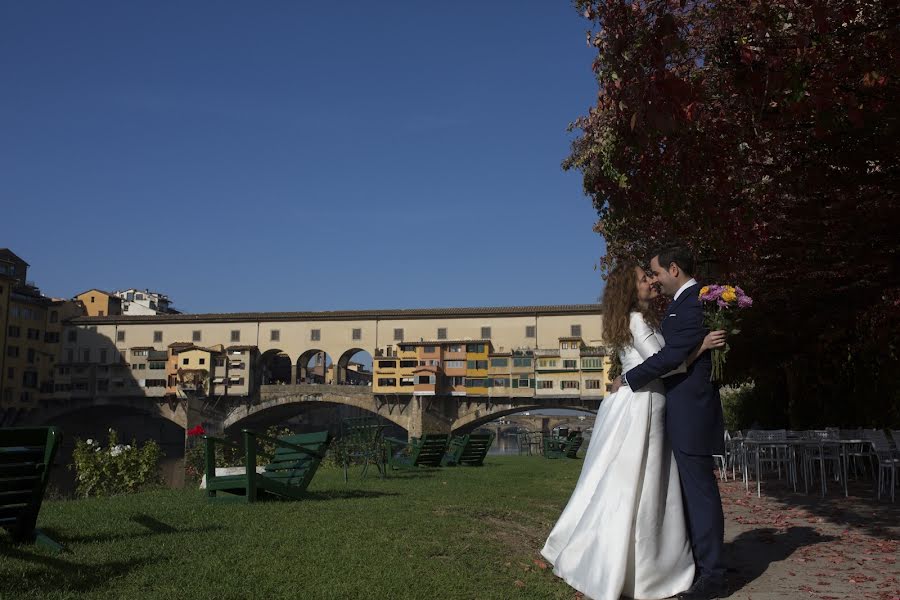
(349, 371)
(174, 411)
(477, 418)
(275, 366)
(313, 367)
(289, 402)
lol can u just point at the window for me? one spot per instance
(85, 355)
(315, 335)
(29, 379)
(405, 364)
(139, 296)
(570, 385)
(486, 333)
(157, 365)
(477, 364)
(454, 348)
(564, 345)
(387, 381)
(428, 349)
(570, 364)
(593, 384)
(499, 362)
(425, 379)
(185, 361)
(499, 382)
(14, 331)
(387, 364)
(10, 373)
(442, 333)
(130, 296)
(30, 355)
(523, 382)
(478, 348)
(92, 299)
(12, 351)
(72, 335)
(455, 364)
(398, 335)
(545, 385)
(575, 330)
(275, 335)
(70, 355)
(357, 334)
(547, 363)
(521, 362)
(220, 361)
(235, 335)
(476, 382)
(54, 316)
(100, 313)
(529, 331)
(457, 381)
(141, 367)
(157, 337)
(103, 356)
(202, 361)
(195, 336)
(120, 336)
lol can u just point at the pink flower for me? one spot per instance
(194, 431)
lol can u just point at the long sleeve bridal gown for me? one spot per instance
(623, 532)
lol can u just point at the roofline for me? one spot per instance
(353, 315)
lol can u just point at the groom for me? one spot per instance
(694, 421)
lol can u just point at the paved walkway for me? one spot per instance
(787, 545)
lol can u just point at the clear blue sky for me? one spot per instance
(298, 155)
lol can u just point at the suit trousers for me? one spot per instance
(703, 508)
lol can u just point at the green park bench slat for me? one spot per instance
(469, 450)
(296, 460)
(26, 456)
(427, 451)
(563, 447)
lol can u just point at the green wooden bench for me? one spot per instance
(563, 447)
(26, 455)
(468, 450)
(361, 442)
(296, 459)
(427, 451)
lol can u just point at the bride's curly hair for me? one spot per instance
(619, 301)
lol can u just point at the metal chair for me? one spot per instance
(773, 448)
(820, 447)
(888, 460)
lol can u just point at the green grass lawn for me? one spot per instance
(446, 533)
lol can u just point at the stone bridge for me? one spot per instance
(415, 414)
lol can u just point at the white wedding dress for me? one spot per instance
(623, 532)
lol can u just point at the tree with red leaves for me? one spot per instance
(763, 134)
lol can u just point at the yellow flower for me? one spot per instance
(729, 295)
(704, 290)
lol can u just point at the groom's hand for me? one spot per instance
(616, 384)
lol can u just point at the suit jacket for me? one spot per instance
(694, 420)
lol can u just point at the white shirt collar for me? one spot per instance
(689, 283)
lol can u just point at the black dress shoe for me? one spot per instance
(704, 589)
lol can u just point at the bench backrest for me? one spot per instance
(26, 454)
(295, 467)
(475, 448)
(573, 445)
(428, 451)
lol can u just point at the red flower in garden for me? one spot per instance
(198, 430)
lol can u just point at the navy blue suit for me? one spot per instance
(694, 425)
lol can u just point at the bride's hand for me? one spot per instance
(713, 339)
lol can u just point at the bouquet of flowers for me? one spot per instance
(721, 304)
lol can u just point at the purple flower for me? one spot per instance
(745, 301)
(722, 303)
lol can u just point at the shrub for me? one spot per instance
(115, 469)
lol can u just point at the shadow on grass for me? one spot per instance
(416, 473)
(750, 554)
(153, 528)
(343, 495)
(56, 575)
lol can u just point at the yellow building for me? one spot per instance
(477, 352)
(98, 303)
(32, 327)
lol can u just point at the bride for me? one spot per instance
(623, 532)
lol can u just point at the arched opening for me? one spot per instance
(519, 427)
(302, 417)
(354, 367)
(275, 367)
(315, 366)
